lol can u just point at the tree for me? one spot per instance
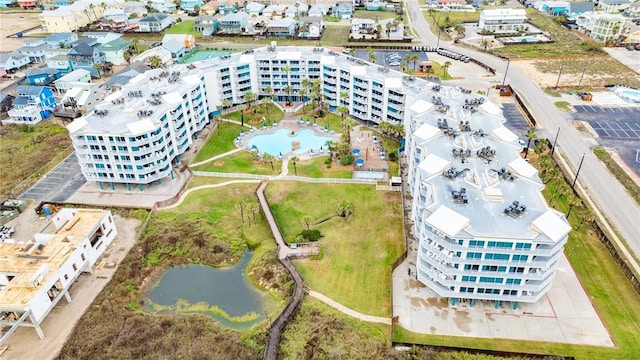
(287, 89)
(250, 97)
(344, 208)
(344, 95)
(531, 135)
(242, 108)
(484, 43)
(135, 42)
(306, 85)
(226, 104)
(99, 68)
(294, 161)
(154, 61)
(347, 125)
(372, 55)
(445, 68)
(343, 111)
(307, 220)
(269, 158)
(196, 10)
(127, 56)
(415, 58)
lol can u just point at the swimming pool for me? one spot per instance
(280, 142)
(630, 95)
(202, 55)
(375, 175)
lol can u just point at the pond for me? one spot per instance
(224, 294)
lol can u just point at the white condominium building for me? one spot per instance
(485, 231)
(502, 19)
(35, 275)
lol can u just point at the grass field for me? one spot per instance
(316, 168)
(256, 113)
(631, 186)
(183, 27)
(28, 152)
(610, 292)
(354, 267)
(599, 71)
(241, 162)
(562, 105)
(374, 15)
(207, 228)
(331, 120)
(219, 142)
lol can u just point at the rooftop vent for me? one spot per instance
(515, 210)
(191, 66)
(136, 93)
(436, 87)
(143, 113)
(164, 74)
(486, 153)
(474, 101)
(464, 126)
(479, 133)
(504, 174)
(101, 112)
(465, 91)
(154, 101)
(454, 173)
(460, 197)
(118, 101)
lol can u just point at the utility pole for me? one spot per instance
(560, 73)
(553, 149)
(506, 71)
(581, 76)
(577, 172)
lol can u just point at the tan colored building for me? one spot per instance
(77, 15)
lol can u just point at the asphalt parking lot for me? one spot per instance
(515, 120)
(59, 183)
(382, 57)
(617, 127)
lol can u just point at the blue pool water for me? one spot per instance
(203, 55)
(370, 175)
(280, 141)
(632, 95)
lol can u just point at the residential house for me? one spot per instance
(28, 4)
(362, 26)
(601, 26)
(137, 67)
(451, 6)
(190, 5)
(6, 3)
(86, 57)
(83, 97)
(273, 11)
(633, 11)
(58, 255)
(71, 79)
(134, 7)
(14, 61)
(163, 6)
(210, 8)
(375, 5)
(318, 10)
(41, 76)
(114, 20)
(254, 9)
(100, 37)
(614, 6)
(154, 23)
(178, 44)
(392, 29)
(205, 24)
(233, 23)
(31, 105)
(226, 7)
(282, 27)
(60, 39)
(114, 51)
(35, 50)
(578, 7)
(160, 52)
(75, 16)
(5, 103)
(343, 11)
(310, 27)
(503, 19)
(297, 10)
(632, 38)
(554, 8)
(62, 63)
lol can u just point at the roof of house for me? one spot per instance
(274, 8)
(40, 71)
(343, 6)
(173, 45)
(153, 18)
(6, 97)
(286, 22)
(29, 90)
(82, 49)
(615, 2)
(75, 75)
(254, 6)
(239, 16)
(580, 6)
(115, 45)
(59, 37)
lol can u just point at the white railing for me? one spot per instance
(287, 178)
(388, 188)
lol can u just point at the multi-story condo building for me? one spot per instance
(502, 19)
(36, 275)
(601, 26)
(485, 231)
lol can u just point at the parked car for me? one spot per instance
(630, 47)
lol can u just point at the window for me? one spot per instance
(467, 289)
(468, 278)
(474, 255)
(520, 246)
(66, 277)
(471, 267)
(495, 280)
(514, 269)
(521, 258)
(490, 256)
(75, 268)
(476, 243)
(514, 281)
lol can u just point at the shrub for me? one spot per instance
(393, 156)
(310, 235)
(347, 160)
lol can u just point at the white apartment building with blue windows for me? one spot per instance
(485, 231)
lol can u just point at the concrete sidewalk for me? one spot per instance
(345, 310)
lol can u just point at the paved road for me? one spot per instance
(604, 189)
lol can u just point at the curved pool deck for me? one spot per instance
(291, 126)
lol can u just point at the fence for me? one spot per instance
(287, 178)
(523, 108)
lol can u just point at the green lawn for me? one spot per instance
(374, 15)
(562, 105)
(256, 113)
(183, 27)
(220, 141)
(437, 70)
(334, 35)
(354, 267)
(331, 120)
(241, 162)
(614, 298)
(316, 168)
(449, 18)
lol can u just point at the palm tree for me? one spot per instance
(242, 108)
(306, 85)
(388, 26)
(269, 158)
(343, 96)
(445, 68)
(372, 55)
(347, 125)
(226, 104)
(294, 161)
(98, 68)
(343, 111)
(484, 43)
(303, 96)
(344, 208)
(343, 148)
(154, 61)
(287, 69)
(288, 90)
(307, 220)
(250, 97)
(135, 42)
(531, 135)
(415, 58)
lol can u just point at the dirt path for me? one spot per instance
(345, 310)
(24, 344)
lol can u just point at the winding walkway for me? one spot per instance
(208, 186)
(345, 310)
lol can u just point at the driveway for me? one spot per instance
(629, 58)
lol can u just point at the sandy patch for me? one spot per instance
(11, 23)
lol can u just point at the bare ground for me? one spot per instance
(12, 22)
(24, 344)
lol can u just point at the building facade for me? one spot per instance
(502, 19)
(31, 105)
(600, 26)
(32, 285)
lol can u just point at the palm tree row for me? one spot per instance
(391, 129)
